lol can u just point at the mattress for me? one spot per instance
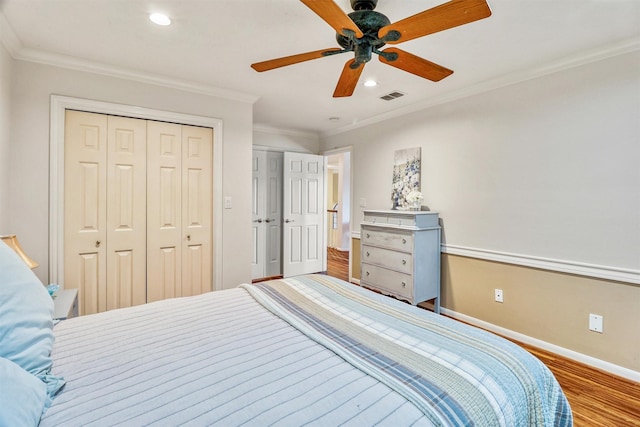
(309, 350)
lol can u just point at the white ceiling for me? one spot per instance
(211, 44)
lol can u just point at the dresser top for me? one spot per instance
(398, 212)
(404, 219)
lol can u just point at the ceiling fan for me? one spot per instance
(364, 31)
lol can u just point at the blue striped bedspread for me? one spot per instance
(457, 375)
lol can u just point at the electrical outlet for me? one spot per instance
(499, 296)
(595, 323)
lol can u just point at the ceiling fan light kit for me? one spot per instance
(365, 31)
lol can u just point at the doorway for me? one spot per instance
(338, 218)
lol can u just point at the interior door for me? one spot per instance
(85, 207)
(257, 210)
(126, 212)
(197, 206)
(304, 249)
(273, 215)
(164, 207)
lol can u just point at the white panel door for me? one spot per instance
(303, 243)
(197, 199)
(126, 212)
(85, 200)
(258, 197)
(273, 215)
(164, 210)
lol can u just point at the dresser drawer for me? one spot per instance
(396, 283)
(387, 239)
(399, 261)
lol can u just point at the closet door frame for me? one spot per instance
(59, 104)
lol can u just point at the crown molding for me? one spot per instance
(19, 52)
(8, 37)
(593, 55)
(259, 127)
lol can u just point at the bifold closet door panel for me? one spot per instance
(197, 197)
(85, 207)
(105, 210)
(126, 212)
(164, 210)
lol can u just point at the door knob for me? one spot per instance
(98, 243)
(259, 221)
(288, 221)
(268, 220)
(189, 237)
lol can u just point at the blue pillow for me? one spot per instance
(26, 325)
(23, 397)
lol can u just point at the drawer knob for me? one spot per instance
(404, 240)
(368, 235)
(404, 284)
(98, 243)
(367, 254)
(404, 262)
(367, 273)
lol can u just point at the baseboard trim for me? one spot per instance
(571, 267)
(620, 371)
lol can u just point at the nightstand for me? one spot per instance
(65, 304)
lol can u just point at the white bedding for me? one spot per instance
(218, 358)
(307, 350)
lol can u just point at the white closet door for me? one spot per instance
(85, 219)
(197, 195)
(126, 212)
(304, 212)
(164, 210)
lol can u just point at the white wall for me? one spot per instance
(286, 140)
(545, 168)
(29, 157)
(5, 125)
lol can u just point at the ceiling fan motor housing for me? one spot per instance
(363, 4)
(369, 22)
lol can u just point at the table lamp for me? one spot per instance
(12, 241)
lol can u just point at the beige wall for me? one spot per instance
(550, 306)
(32, 86)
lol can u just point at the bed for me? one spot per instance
(306, 350)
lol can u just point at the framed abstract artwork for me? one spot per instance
(406, 177)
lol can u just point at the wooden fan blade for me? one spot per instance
(293, 59)
(439, 18)
(416, 65)
(348, 79)
(333, 15)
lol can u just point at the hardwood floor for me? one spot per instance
(597, 398)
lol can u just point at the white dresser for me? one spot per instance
(401, 254)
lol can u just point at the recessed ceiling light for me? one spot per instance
(370, 83)
(160, 19)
